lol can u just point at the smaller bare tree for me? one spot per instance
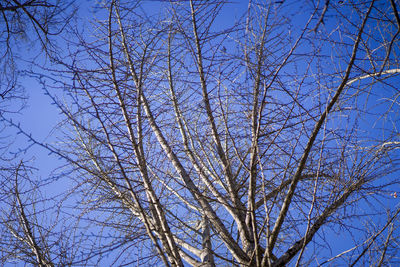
(28, 22)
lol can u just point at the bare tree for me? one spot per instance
(28, 29)
(27, 22)
(197, 142)
(28, 220)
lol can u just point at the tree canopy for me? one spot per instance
(217, 133)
